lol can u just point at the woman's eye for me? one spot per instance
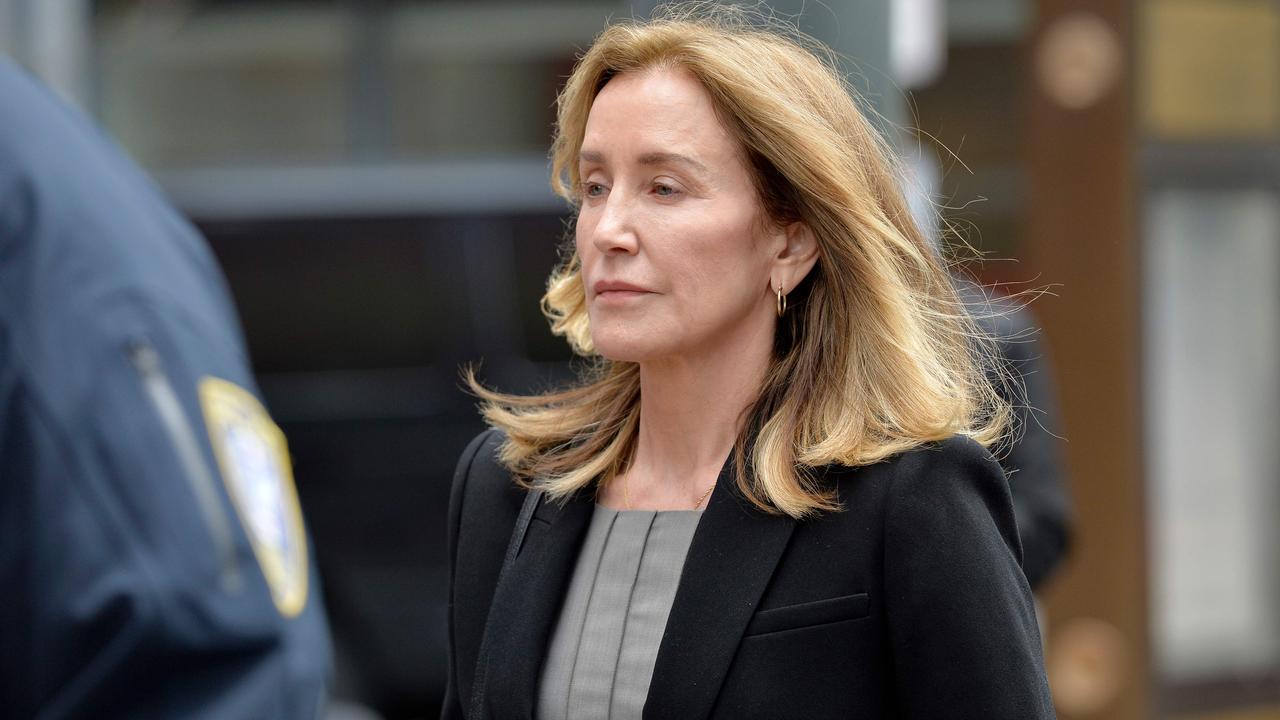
(592, 189)
(662, 190)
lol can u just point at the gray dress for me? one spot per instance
(601, 657)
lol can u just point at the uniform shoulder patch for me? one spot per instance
(254, 461)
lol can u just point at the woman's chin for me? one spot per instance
(621, 354)
(626, 347)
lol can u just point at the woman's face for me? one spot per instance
(674, 258)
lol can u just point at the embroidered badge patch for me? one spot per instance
(255, 466)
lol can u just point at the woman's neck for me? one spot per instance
(691, 411)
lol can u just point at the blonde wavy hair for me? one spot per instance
(876, 354)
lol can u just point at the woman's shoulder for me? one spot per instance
(951, 488)
(933, 463)
(481, 482)
(946, 461)
(481, 453)
(938, 481)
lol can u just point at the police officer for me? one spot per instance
(153, 561)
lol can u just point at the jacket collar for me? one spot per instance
(731, 558)
(526, 605)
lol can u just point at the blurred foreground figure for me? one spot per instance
(152, 554)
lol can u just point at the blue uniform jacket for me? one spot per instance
(153, 562)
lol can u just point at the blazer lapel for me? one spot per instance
(732, 556)
(526, 605)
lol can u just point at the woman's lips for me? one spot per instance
(612, 296)
(614, 290)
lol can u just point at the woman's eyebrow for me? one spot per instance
(669, 158)
(652, 158)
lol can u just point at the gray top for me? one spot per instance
(601, 657)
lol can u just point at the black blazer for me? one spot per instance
(908, 604)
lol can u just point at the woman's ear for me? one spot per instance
(795, 259)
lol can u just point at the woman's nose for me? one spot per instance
(615, 230)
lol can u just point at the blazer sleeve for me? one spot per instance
(453, 704)
(962, 623)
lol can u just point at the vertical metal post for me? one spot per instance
(369, 67)
(53, 39)
(8, 18)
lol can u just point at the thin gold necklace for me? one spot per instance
(626, 494)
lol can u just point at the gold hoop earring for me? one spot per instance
(782, 301)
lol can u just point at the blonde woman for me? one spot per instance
(770, 498)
